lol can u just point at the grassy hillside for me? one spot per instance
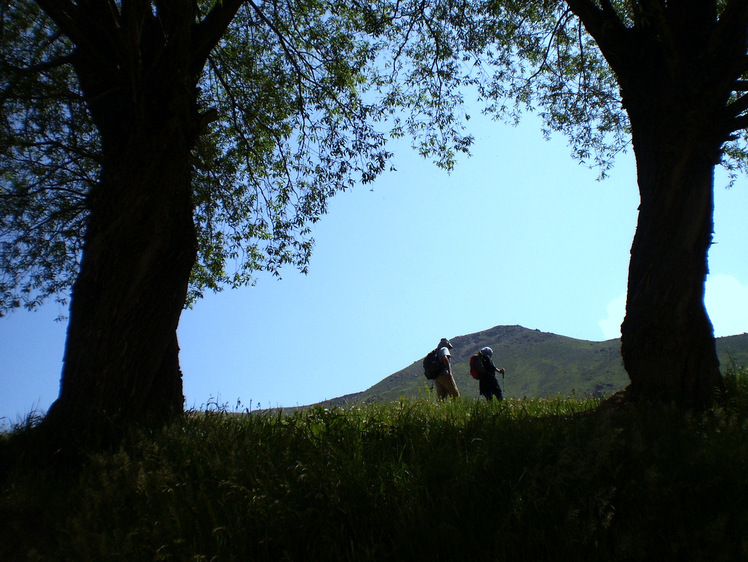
(538, 365)
(534, 480)
(733, 352)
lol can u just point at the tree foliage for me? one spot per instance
(515, 57)
(48, 153)
(539, 57)
(293, 129)
(294, 98)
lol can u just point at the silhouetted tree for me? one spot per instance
(155, 149)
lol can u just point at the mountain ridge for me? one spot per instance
(538, 365)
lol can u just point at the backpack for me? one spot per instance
(476, 366)
(432, 367)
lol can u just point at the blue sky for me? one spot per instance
(518, 233)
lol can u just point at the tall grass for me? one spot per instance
(561, 479)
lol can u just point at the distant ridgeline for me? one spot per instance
(538, 365)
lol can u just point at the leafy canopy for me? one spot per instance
(537, 56)
(294, 99)
(299, 100)
(48, 150)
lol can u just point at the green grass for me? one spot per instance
(558, 479)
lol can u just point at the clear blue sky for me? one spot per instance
(519, 233)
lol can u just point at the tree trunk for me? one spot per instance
(676, 66)
(667, 338)
(121, 356)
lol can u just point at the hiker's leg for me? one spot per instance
(441, 391)
(449, 385)
(445, 386)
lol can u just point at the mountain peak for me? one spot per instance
(538, 365)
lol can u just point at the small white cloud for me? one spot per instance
(611, 325)
(726, 303)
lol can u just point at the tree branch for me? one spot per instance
(595, 19)
(738, 106)
(75, 21)
(729, 39)
(63, 13)
(210, 30)
(739, 123)
(42, 66)
(604, 25)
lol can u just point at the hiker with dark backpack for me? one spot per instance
(483, 369)
(437, 366)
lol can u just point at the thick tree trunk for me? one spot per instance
(121, 357)
(667, 339)
(676, 66)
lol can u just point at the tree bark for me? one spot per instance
(121, 357)
(667, 339)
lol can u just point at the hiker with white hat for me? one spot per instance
(445, 383)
